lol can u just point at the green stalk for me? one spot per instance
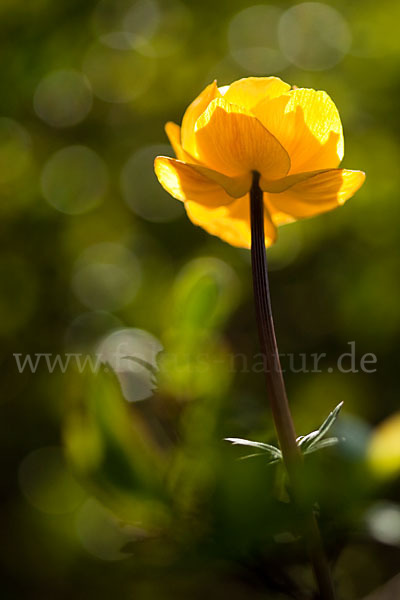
(277, 392)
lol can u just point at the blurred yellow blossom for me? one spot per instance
(384, 448)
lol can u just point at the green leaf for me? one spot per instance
(329, 421)
(313, 441)
(308, 443)
(322, 444)
(266, 449)
(306, 440)
(113, 454)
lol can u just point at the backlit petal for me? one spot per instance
(194, 110)
(184, 182)
(173, 132)
(284, 183)
(230, 223)
(248, 92)
(308, 125)
(181, 178)
(235, 186)
(314, 195)
(233, 142)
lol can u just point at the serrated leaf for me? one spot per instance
(272, 451)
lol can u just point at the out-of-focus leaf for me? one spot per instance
(196, 362)
(111, 451)
(194, 462)
(204, 295)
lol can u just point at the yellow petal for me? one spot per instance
(184, 182)
(194, 110)
(173, 132)
(276, 186)
(316, 194)
(233, 142)
(234, 186)
(248, 92)
(230, 223)
(308, 125)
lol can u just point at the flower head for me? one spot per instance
(292, 137)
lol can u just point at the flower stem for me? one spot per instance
(277, 393)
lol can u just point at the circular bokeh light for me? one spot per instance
(74, 180)
(253, 40)
(63, 98)
(383, 521)
(106, 277)
(314, 36)
(88, 329)
(142, 19)
(118, 75)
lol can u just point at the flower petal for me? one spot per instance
(317, 194)
(234, 186)
(277, 186)
(185, 182)
(308, 125)
(232, 141)
(194, 110)
(173, 132)
(248, 92)
(230, 223)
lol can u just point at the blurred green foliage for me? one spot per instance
(121, 484)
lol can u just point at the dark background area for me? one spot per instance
(135, 494)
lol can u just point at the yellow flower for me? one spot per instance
(292, 137)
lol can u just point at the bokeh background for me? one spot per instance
(121, 485)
